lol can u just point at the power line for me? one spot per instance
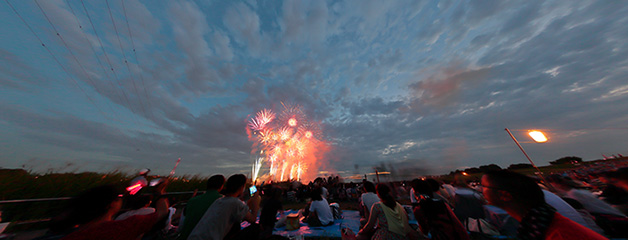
(111, 66)
(55, 58)
(126, 18)
(94, 51)
(72, 53)
(102, 66)
(107, 58)
(125, 59)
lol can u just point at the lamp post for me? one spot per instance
(539, 137)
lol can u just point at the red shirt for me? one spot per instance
(563, 228)
(130, 228)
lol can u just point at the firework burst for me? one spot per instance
(287, 142)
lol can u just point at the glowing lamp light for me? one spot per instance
(292, 122)
(308, 134)
(134, 189)
(465, 174)
(538, 136)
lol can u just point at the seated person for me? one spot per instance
(318, 213)
(227, 213)
(434, 215)
(139, 204)
(268, 217)
(368, 198)
(198, 205)
(523, 199)
(94, 209)
(388, 219)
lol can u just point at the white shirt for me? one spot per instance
(564, 208)
(321, 208)
(368, 199)
(141, 211)
(412, 198)
(451, 191)
(591, 203)
(219, 218)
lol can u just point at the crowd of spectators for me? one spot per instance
(588, 202)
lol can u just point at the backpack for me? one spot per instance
(335, 210)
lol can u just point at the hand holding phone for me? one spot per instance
(253, 190)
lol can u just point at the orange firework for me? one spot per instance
(292, 122)
(288, 143)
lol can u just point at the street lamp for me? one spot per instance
(538, 137)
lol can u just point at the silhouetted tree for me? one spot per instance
(563, 160)
(519, 166)
(490, 167)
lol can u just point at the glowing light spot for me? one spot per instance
(308, 134)
(134, 189)
(538, 136)
(292, 122)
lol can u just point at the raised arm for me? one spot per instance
(253, 204)
(370, 225)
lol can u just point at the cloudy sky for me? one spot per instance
(427, 86)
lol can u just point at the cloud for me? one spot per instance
(244, 25)
(15, 72)
(190, 28)
(443, 88)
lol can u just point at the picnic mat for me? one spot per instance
(350, 219)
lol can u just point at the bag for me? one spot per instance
(481, 226)
(347, 234)
(292, 222)
(335, 210)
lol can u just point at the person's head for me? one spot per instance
(215, 182)
(369, 187)
(276, 193)
(235, 185)
(434, 184)
(94, 203)
(507, 189)
(384, 194)
(317, 194)
(422, 187)
(573, 203)
(619, 178)
(561, 183)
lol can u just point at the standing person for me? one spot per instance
(522, 198)
(227, 212)
(434, 215)
(93, 211)
(197, 206)
(389, 219)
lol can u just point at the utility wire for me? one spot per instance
(91, 46)
(102, 66)
(107, 58)
(126, 18)
(91, 81)
(55, 58)
(125, 59)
